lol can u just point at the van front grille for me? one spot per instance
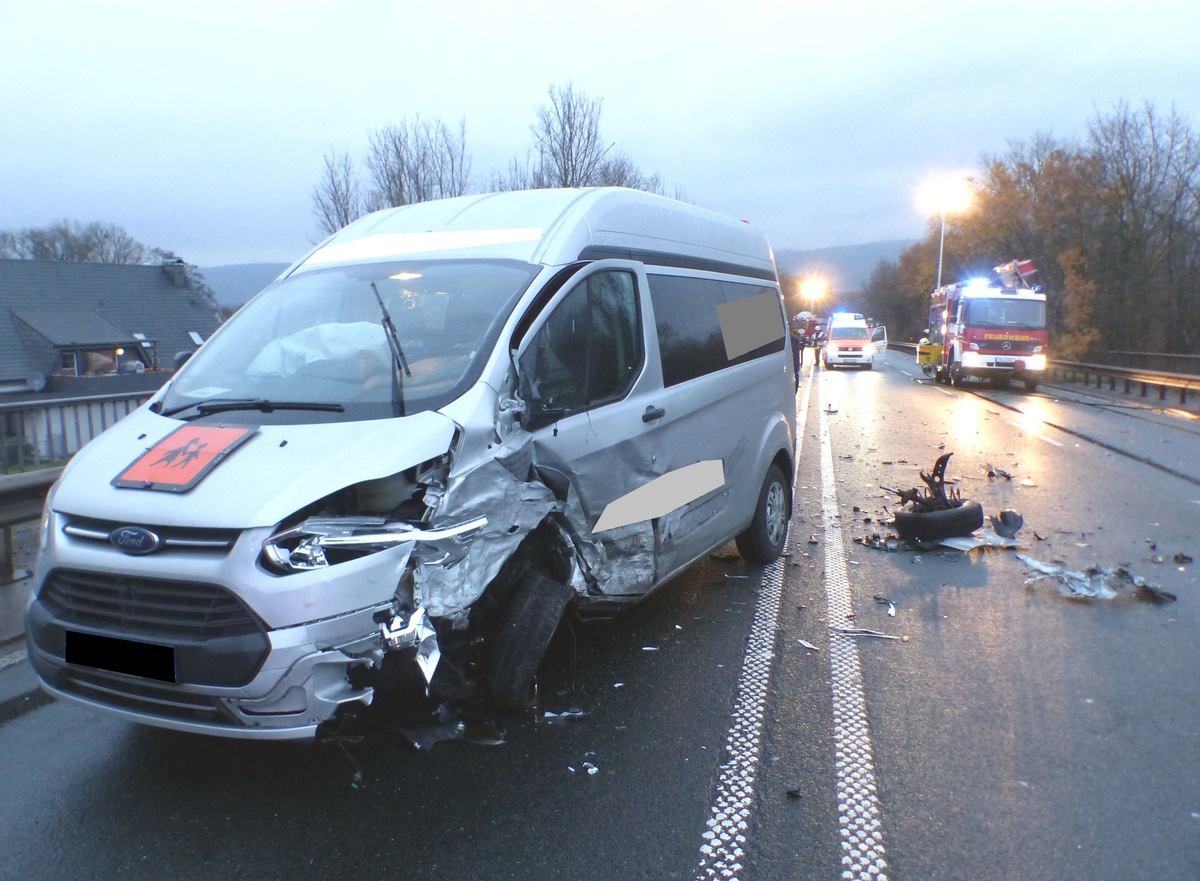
(147, 606)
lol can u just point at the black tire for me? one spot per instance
(763, 540)
(933, 526)
(956, 377)
(869, 366)
(520, 643)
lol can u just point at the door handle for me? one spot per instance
(653, 413)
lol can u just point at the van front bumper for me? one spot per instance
(300, 682)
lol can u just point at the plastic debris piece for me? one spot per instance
(649, 648)
(884, 601)
(861, 631)
(985, 538)
(1095, 582)
(1007, 523)
(1182, 559)
(738, 577)
(1027, 482)
(808, 645)
(480, 732)
(568, 715)
(794, 792)
(591, 769)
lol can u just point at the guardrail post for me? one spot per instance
(8, 572)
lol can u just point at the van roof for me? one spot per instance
(552, 227)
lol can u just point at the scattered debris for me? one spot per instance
(861, 631)
(1095, 582)
(1027, 482)
(986, 538)
(481, 732)
(1182, 559)
(884, 601)
(808, 645)
(794, 792)
(996, 472)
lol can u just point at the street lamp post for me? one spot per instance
(950, 195)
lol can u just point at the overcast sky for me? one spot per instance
(201, 127)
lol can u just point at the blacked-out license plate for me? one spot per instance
(121, 656)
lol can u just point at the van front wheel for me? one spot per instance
(762, 542)
(521, 641)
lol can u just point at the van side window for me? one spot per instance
(589, 350)
(689, 330)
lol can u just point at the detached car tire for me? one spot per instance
(933, 526)
(763, 540)
(520, 644)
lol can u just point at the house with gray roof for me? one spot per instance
(61, 319)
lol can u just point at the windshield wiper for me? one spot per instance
(222, 405)
(399, 362)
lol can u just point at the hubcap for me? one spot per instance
(776, 513)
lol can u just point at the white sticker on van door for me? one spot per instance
(750, 323)
(663, 495)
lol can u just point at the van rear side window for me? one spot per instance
(689, 328)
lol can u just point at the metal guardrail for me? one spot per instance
(1144, 383)
(36, 433)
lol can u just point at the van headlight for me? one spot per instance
(869, 350)
(319, 542)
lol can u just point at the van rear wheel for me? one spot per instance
(521, 641)
(763, 540)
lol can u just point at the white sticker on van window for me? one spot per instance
(663, 495)
(750, 323)
(396, 244)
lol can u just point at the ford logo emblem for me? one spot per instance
(134, 540)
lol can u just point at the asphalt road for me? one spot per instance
(1011, 732)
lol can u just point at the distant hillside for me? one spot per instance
(846, 267)
(237, 283)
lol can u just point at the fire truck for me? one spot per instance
(986, 330)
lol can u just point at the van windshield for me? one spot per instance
(313, 347)
(847, 332)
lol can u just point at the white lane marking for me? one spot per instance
(1025, 428)
(722, 854)
(863, 856)
(14, 658)
(944, 391)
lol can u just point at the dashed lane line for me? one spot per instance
(861, 829)
(722, 855)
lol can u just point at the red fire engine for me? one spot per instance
(990, 331)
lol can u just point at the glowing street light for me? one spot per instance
(813, 289)
(947, 195)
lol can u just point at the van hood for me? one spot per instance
(270, 473)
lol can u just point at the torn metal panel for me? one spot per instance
(512, 508)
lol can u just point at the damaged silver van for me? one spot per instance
(412, 453)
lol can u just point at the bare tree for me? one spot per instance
(338, 197)
(72, 241)
(415, 162)
(567, 139)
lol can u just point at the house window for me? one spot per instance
(196, 338)
(68, 365)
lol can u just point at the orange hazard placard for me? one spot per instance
(181, 459)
